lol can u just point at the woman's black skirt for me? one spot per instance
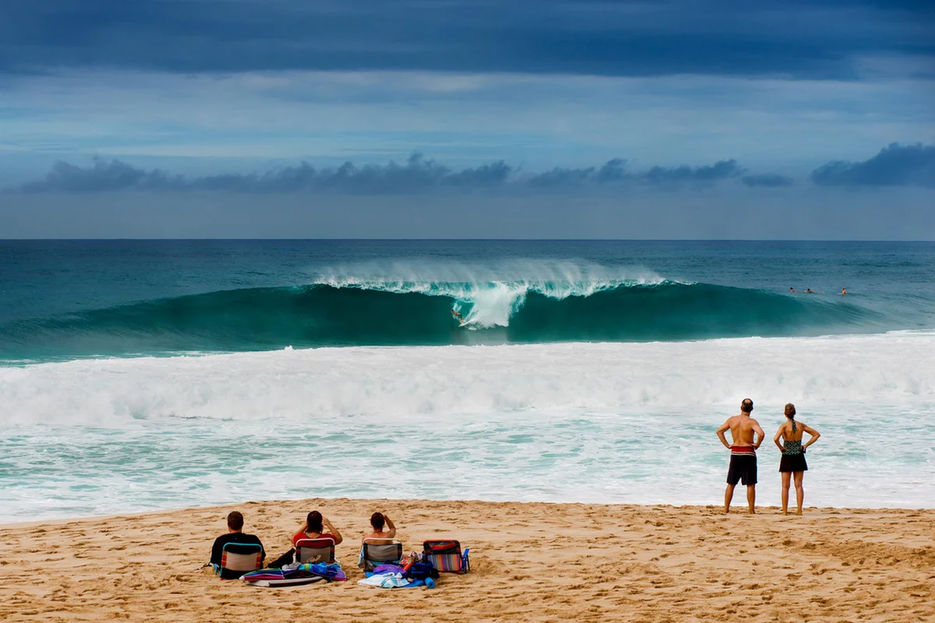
(793, 463)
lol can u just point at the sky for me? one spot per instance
(467, 119)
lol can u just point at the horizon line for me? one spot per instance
(376, 239)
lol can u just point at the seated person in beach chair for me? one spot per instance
(236, 553)
(315, 540)
(380, 546)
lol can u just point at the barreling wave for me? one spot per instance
(401, 313)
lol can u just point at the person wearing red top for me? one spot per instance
(317, 527)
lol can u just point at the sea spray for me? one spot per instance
(611, 422)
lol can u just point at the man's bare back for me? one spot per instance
(742, 430)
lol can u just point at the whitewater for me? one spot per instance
(138, 376)
(567, 422)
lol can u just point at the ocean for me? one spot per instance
(141, 375)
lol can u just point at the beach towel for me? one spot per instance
(385, 580)
(296, 574)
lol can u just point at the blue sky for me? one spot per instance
(467, 119)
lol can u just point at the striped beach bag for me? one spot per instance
(446, 555)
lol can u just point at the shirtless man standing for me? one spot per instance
(743, 432)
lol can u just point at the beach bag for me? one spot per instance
(420, 570)
(446, 556)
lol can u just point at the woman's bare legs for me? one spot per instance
(786, 476)
(799, 491)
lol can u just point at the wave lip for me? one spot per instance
(488, 296)
(358, 312)
(492, 303)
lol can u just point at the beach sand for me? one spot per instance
(530, 562)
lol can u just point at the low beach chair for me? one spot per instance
(238, 559)
(446, 555)
(314, 550)
(376, 552)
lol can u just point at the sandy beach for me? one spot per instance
(530, 562)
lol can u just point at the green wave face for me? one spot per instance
(326, 315)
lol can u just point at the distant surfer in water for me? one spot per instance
(457, 316)
(843, 291)
(793, 290)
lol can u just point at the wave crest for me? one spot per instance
(357, 312)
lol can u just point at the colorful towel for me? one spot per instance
(332, 572)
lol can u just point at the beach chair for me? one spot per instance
(376, 552)
(238, 559)
(314, 550)
(446, 555)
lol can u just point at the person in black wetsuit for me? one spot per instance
(234, 535)
(792, 464)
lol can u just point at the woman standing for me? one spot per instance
(792, 463)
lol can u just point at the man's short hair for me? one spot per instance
(746, 405)
(235, 520)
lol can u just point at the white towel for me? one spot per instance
(386, 580)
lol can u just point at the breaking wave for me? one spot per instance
(348, 313)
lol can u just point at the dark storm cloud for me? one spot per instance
(667, 176)
(104, 175)
(767, 179)
(416, 174)
(611, 171)
(804, 39)
(561, 177)
(615, 171)
(896, 165)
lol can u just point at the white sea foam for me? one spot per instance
(610, 422)
(401, 382)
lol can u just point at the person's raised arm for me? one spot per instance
(776, 438)
(300, 533)
(721, 431)
(389, 524)
(811, 431)
(333, 531)
(759, 435)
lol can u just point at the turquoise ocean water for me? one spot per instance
(158, 374)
